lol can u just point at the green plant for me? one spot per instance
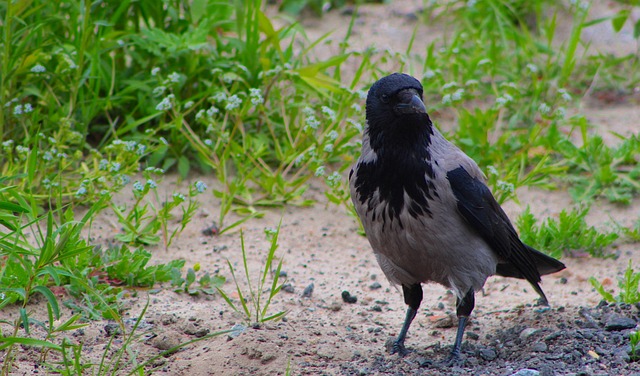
(566, 235)
(206, 283)
(254, 304)
(144, 220)
(634, 341)
(628, 285)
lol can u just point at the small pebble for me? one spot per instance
(348, 298)
(236, 330)
(616, 323)
(308, 291)
(111, 329)
(375, 286)
(526, 372)
(527, 333)
(488, 354)
(287, 287)
(539, 347)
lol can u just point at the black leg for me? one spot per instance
(463, 310)
(413, 298)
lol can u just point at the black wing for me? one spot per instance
(480, 209)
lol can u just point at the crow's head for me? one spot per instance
(395, 107)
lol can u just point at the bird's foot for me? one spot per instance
(454, 359)
(396, 347)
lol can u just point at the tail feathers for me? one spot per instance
(544, 264)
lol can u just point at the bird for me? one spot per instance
(427, 211)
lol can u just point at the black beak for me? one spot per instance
(410, 103)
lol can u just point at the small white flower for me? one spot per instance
(471, 3)
(179, 197)
(81, 191)
(429, 74)
(484, 62)
(456, 50)
(332, 135)
(544, 108)
(155, 71)
(506, 98)
(331, 114)
(233, 102)
(158, 91)
(120, 42)
(561, 112)
(212, 111)
(165, 104)
(27, 108)
(199, 114)
(200, 186)
(361, 94)
(130, 145)
(356, 125)
(152, 184)
(38, 69)
(141, 149)
(532, 68)
(446, 99)
(256, 96)
(564, 94)
(219, 96)
(47, 156)
(507, 187)
(311, 122)
(164, 141)
(115, 167)
(457, 95)
(137, 186)
(188, 105)
(334, 179)
(174, 77)
(449, 85)
(308, 111)
(208, 142)
(328, 148)
(492, 170)
(471, 82)
(17, 110)
(299, 159)
(7, 144)
(320, 171)
(356, 107)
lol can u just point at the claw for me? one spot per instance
(399, 348)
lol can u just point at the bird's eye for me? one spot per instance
(384, 98)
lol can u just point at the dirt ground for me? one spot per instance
(322, 334)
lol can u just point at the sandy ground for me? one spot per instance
(319, 245)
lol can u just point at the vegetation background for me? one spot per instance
(125, 124)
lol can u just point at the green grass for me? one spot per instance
(98, 99)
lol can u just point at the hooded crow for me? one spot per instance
(427, 211)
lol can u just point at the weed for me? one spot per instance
(566, 235)
(628, 285)
(147, 217)
(254, 305)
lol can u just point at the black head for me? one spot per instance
(395, 107)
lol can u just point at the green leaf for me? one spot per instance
(53, 302)
(183, 166)
(9, 341)
(198, 9)
(598, 286)
(619, 19)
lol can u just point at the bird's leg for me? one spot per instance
(463, 310)
(413, 298)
